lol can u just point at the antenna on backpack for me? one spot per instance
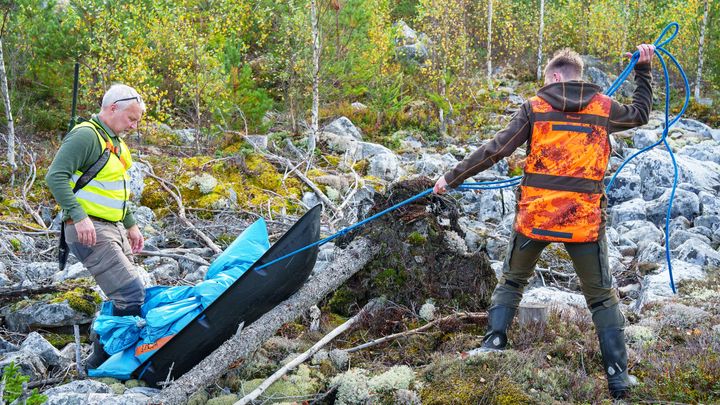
(73, 117)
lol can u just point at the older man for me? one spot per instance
(89, 180)
(561, 198)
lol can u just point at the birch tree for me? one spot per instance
(314, 21)
(6, 101)
(700, 51)
(489, 39)
(540, 39)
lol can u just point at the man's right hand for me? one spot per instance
(85, 232)
(440, 186)
(647, 51)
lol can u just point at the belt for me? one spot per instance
(69, 221)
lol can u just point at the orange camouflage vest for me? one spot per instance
(562, 194)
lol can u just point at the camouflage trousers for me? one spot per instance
(590, 261)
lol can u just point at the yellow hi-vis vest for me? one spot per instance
(106, 195)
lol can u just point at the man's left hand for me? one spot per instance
(136, 239)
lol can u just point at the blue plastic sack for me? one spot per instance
(119, 365)
(247, 248)
(117, 333)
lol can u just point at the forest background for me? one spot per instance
(219, 65)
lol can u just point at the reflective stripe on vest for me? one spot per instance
(106, 195)
(562, 196)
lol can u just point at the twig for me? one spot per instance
(14, 292)
(304, 356)
(42, 383)
(459, 316)
(173, 256)
(78, 360)
(165, 184)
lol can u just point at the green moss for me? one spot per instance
(135, 383)
(81, 299)
(60, 340)
(198, 398)
(416, 239)
(16, 245)
(342, 301)
(107, 380)
(390, 280)
(118, 388)
(229, 399)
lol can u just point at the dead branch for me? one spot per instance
(173, 256)
(15, 292)
(165, 184)
(369, 307)
(429, 325)
(248, 340)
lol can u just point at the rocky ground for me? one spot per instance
(674, 339)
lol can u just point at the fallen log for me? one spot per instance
(238, 348)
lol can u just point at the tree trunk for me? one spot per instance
(700, 52)
(489, 40)
(248, 340)
(540, 39)
(8, 113)
(316, 77)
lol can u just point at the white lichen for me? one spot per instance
(352, 386)
(397, 378)
(204, 182)
(427, 311)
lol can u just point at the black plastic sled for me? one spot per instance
(252, 295)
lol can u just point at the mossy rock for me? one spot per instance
(60, 340)
(200, 397)
(81, 299)
(229, 399)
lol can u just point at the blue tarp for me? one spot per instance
(131, 340)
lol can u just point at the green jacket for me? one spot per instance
(78, 151)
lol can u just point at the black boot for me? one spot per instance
(499, 319)
(130, 310)
(98, 355)
(612, 347)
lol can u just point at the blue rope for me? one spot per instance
(659, 51)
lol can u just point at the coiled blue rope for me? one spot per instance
(515, 181)
(659, 51)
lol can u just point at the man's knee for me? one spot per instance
(508, 292)
(129, 295)
(606, 314)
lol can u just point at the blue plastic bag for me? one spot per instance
(247, 248)
(117, 333)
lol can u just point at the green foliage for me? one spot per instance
(81, 299)
(13, 380)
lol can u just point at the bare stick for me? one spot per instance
(307, 354)
(78, 360)
(173, 256)
(459, 316)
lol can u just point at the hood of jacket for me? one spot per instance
(571, 96)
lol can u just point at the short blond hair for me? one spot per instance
(567, 62)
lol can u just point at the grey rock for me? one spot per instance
(685, 204)
(406, 35)
(167, 273)
(71, 272)
(80, 387)
(694, 127)
(680, 236)
(627, 186)
(69, 398)
(632, 210)
(711, 222)
(386, 166)
(496, 249)
(416, 53)
(705, 233)
(680, 223)
(310, 199)
(137, 181)
(188, 266)
(715, 134)
(6, 346)
(697, 252)
(612, 235)
(708, 151)
(36, 344)
(489, 206)
(656, 287)
(637, 231)
(186, 136)
(710, 203)
(147, 391)
(644, 138)
(44, 315)
(4, 279)
(434, 165)
(597, 76)
(656, 169)
(29, 364)
(553, 296)
(144, 217)
(360, 204)
(650, 256)
(37, 272)
(358, 106)
(343, 127)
